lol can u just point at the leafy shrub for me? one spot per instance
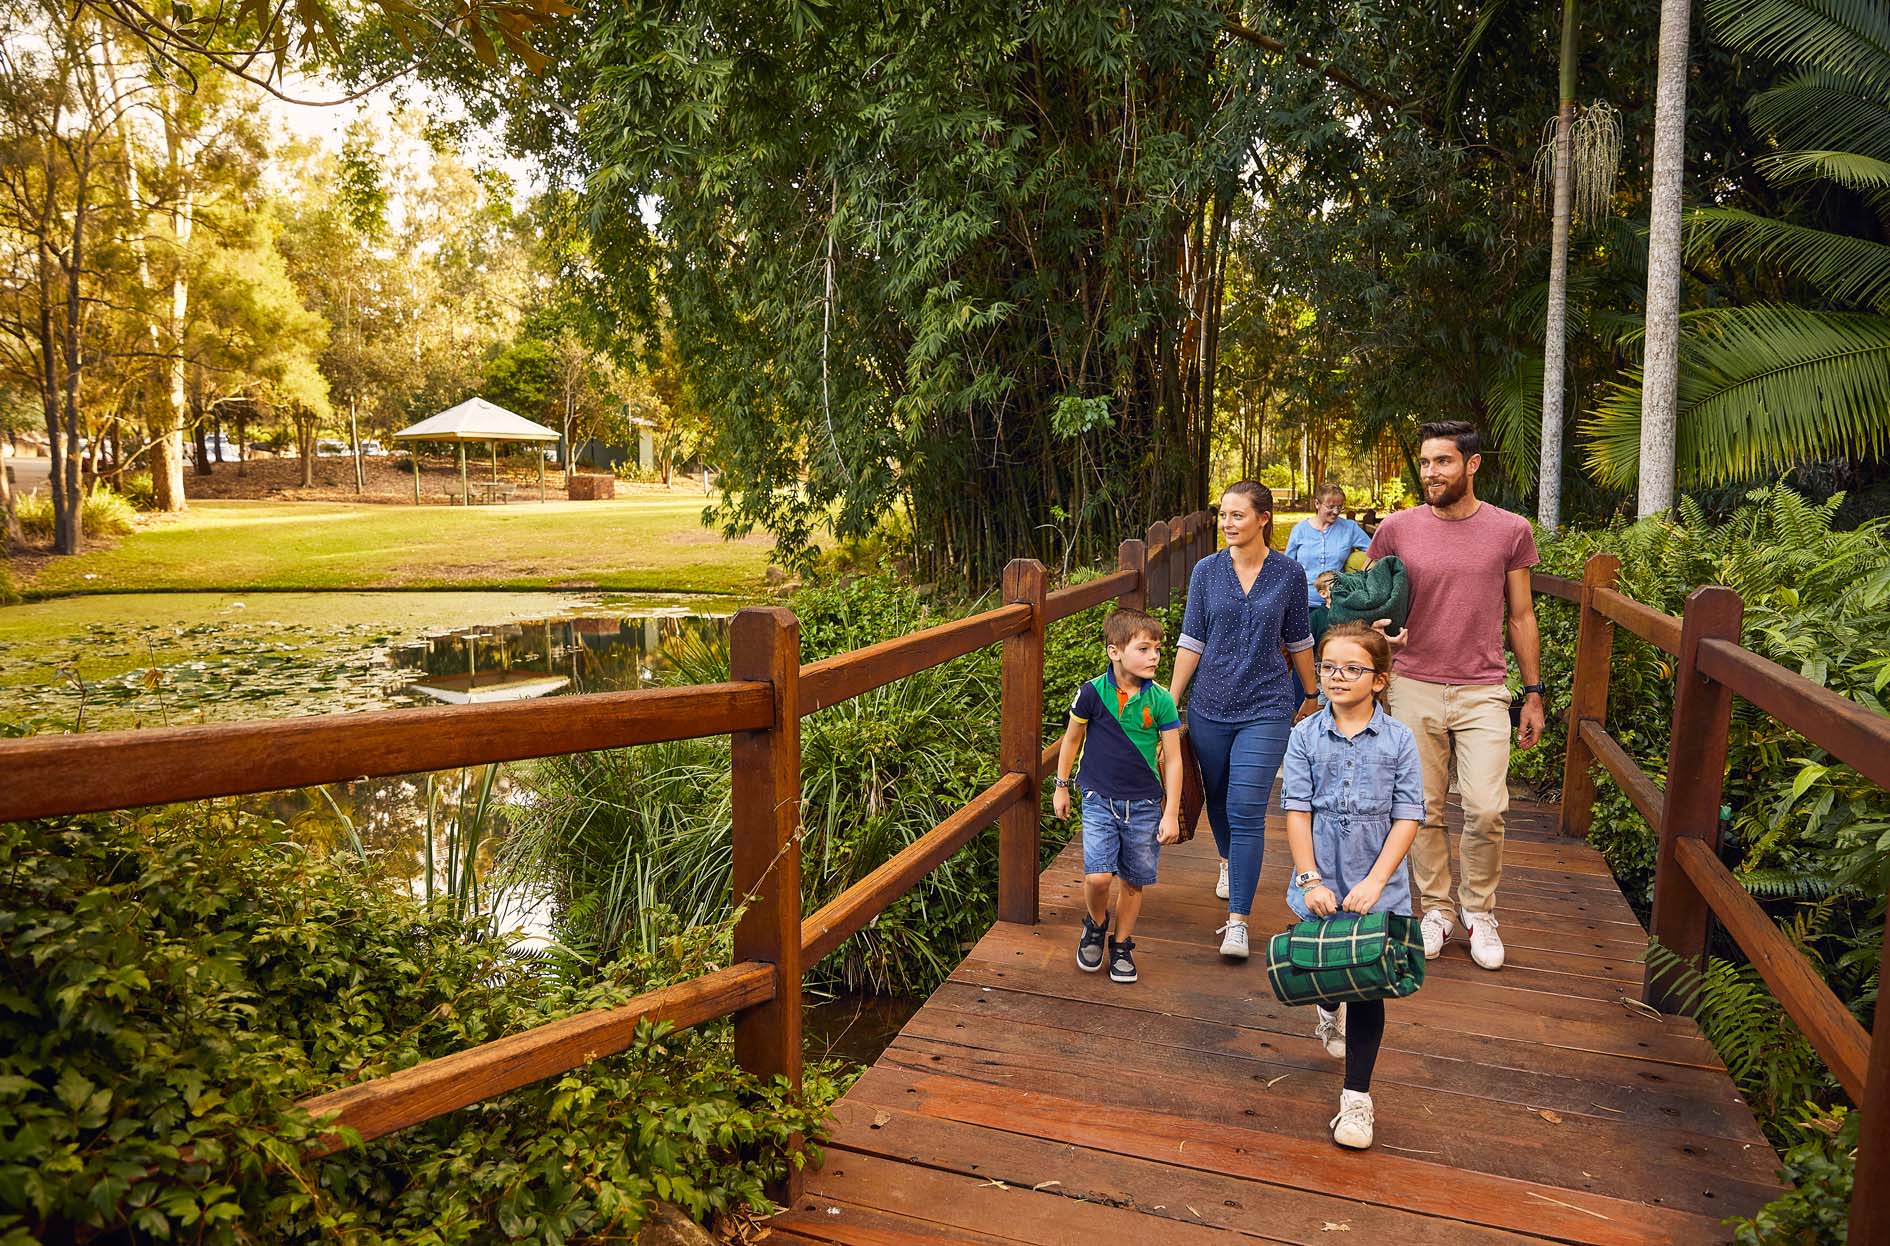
(173, 984)
(104, 514)
(1821, 1168)
(138, 490)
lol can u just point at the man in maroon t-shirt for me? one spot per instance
(1469, 566)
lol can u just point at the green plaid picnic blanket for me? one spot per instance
(1346, 957)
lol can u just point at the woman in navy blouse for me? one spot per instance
(1246, 611)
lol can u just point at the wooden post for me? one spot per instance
(1177, 557)
(1020, 747)
(1156, 546)
(1696, 773)
(1870, 1191)
(1133, 556)
(1588, 697)
(765, 767)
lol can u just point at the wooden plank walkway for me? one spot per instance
(1030, 1102)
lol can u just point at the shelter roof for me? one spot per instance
(477, 420)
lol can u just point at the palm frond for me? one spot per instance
(1852, 270)
(1467, 57)
(1816, 110)
(1512, 408)
(1846, 168)
(1760, 388)
(1848, 37)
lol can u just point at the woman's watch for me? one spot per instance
(1307, 879)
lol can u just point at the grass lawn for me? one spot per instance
(637, 544)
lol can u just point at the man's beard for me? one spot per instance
(1452, 492)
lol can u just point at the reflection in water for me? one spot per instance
(593, 653)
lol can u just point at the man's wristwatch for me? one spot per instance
(1538, 689)
(1063, 782)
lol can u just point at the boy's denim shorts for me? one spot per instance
(1119, 837)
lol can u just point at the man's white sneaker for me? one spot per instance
(1331, 1031)
(1486, 946)
(1352, 1127)
(1234, 940)
(1436, 928)
(1220, 884)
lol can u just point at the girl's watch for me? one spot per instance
(1307, 879)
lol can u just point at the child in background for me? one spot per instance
(1320, 615)
(1131, 801)
(1353, 790)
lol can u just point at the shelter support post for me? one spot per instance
(465, 486)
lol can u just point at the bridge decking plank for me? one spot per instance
(1018, 1070)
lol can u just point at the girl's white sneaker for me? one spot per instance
(1331, 1031)
(1234, 939)
(1220, 885)
(1352, 1127)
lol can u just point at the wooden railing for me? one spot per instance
(1691, 883)
(759, 708)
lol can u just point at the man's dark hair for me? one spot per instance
(1463, 432)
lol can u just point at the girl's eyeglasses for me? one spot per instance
(1348, 672)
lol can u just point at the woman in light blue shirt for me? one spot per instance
(1323, 542)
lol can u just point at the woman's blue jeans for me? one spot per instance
(1238, 764)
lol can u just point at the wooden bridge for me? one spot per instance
(1563, 1098)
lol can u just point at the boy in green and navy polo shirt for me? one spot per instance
(1131, 792)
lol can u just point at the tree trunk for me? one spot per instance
(1555, 347)
(354, 443)
(1661, 372)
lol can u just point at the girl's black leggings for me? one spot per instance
(1364, 1031)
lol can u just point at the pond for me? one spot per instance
(97, 663)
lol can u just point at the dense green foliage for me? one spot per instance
(1807, 835)
(629, 843)
(170, 986)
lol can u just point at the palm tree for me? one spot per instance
(1762, 387)
(1663, 263)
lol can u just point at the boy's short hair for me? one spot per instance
(1461, 432)
(1122, 625)
(1325, 580)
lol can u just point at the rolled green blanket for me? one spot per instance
(1381, 591)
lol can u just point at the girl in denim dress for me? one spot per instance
(1353, 790)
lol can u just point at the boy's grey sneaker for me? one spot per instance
(1121, 964)
(1089, 950)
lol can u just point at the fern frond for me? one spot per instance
(1781, 884)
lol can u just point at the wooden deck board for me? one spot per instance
(1028, 1102)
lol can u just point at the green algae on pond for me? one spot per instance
(99, 663)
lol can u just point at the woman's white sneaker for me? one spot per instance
(1486, 946)
(1436, 928)
(1352, 1127)
(1234, 939)
(1331, 1031)
(1220, 885)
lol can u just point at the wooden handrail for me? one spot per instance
(382, 1105)
(1556, 586)
(847, 675)
(850, 911)
(1640, 789)
(1824, 1020)
(1854, 734)
(50, 776)
(1657, 629)
(1077, 598)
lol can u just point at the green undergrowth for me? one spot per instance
(628, 841)
(171, 985)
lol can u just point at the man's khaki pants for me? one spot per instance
(1468, 723)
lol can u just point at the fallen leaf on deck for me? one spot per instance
(881, 1117)
(1331, 1226)
(994, 1182)
(1548, 1116)
(1044, 1185)
(1276, 1081)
